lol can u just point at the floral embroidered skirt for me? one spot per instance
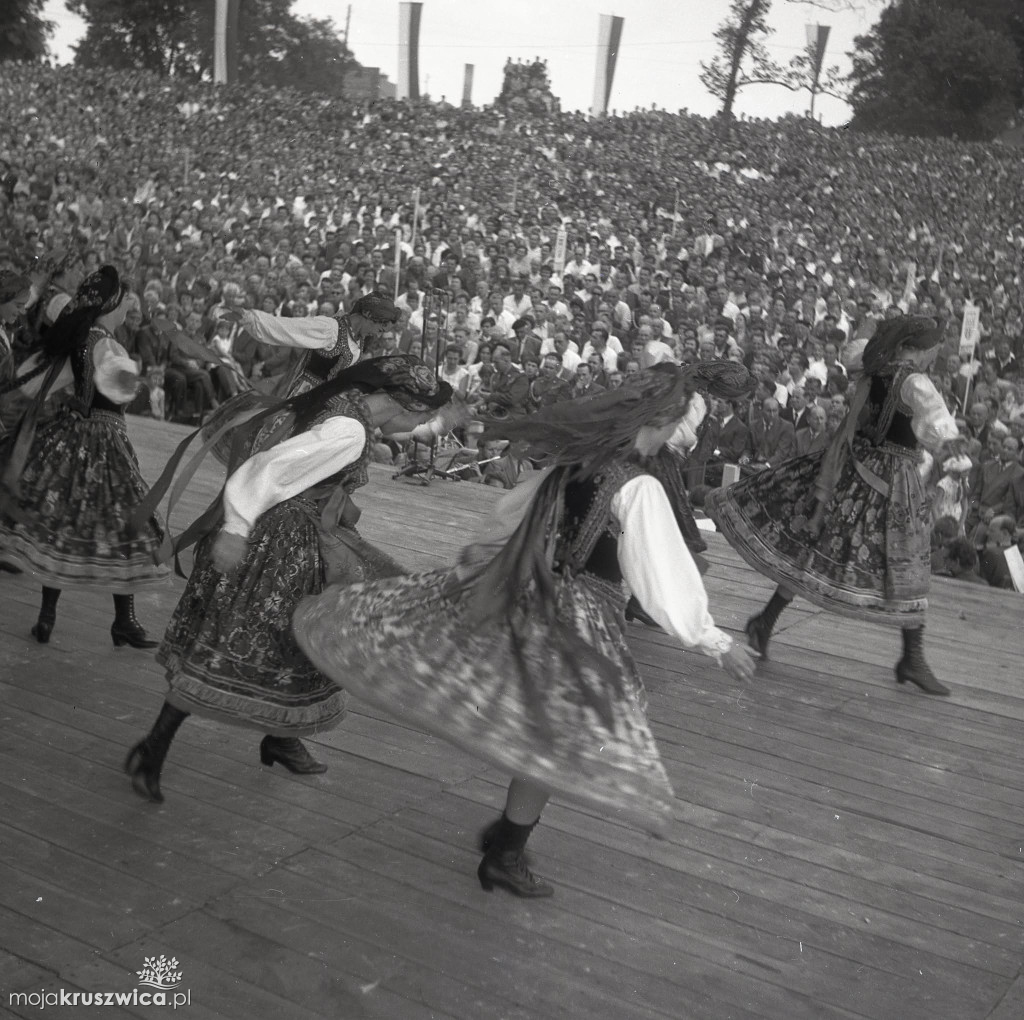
(229, 650)
(80, 484)
(557, 702)
(871, 560)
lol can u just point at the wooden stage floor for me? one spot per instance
(842, 847)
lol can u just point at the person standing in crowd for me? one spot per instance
(849, 528)
(70, 485)
(288, 524)
(518, 654)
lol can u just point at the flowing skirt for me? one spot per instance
(559, 703)
(871, 560)
(80, 484)
(229, 650)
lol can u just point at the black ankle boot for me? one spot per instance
(759, 628)
(146, 759)
(507, 869)
(635, 611)
(126, 630)
(913, 667)
(43, 626)
(292, 754)
(504, 863)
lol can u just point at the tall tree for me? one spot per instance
(743, 57)
(930, 68)
(175, 37)
(23, 30)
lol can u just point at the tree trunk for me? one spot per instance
(755, 8)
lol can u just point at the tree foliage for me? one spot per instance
(23, 30)
(175, 38)
(743, 58)
(933, 68)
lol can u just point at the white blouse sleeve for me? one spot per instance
(109, 355)
(314, 332)
(684, 438)
(285, 470)
(932, 423)
(659, 569)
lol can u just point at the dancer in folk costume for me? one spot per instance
(70, 484)
(517, 654)
(329, 344)
(669, 465)
(288, 526)
(849, 527)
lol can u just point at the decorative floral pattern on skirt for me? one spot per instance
(516, 694)
(229, 650)
(871, 560)
(80, 484)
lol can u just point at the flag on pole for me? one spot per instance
(225, 42)
(409, 50)
(467, 86)
(817, 40)
(609, 37)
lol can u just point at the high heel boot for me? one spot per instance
(913, 666)
(292, 754)
(146, 759)
(43, 627)
(126, 630)
(759, 628)
(504, 861)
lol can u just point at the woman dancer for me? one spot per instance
(518, 654)
(287, 523)
(849, 527)
(69, 488)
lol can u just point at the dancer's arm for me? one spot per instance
(114, 371)
(659, 569)
(312, 332)
(932, 423)
(291, 467)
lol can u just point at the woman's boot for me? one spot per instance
(292, 754)
(504, 861)
(759, 628)
(42, 628)
(913, 666)
(146, 758)
(126, 630)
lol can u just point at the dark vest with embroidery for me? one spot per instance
(588, 539)
(83, 368)
(890, 418)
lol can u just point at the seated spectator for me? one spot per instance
(773, 440)
(584, 384)
(961, 561)
(549, 387)
(996, 538)
(815, 436)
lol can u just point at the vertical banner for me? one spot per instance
(409, 50)
(969, 330)
(609, 36)
(817, 40)
(561, 245)
(398, 260)
(467, 86)
(225, 42)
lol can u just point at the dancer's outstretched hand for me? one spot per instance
(228, 551)
(738, 662)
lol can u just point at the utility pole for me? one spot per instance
(348, 21)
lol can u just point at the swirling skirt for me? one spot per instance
(80, 483)
(229, 650)
(871, 560)
(559, 703)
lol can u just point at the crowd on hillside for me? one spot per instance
(774, 243)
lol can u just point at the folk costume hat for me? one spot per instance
(917, 332)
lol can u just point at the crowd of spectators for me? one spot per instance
(774, 243)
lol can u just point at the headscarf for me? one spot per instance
(99, 293)
(377, 307)
(918, 332)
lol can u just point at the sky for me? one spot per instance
(663, 43)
